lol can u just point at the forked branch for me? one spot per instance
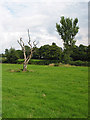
(32, 48)
(23, 47)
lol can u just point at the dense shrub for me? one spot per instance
(38, 62)
(79, 63)
(43, 62)
(20, 61)
(56, 62)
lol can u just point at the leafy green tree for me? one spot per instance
(55, 52)
(75, 55)
(36, 54)
(44, 51)
(80, 53)
(68, 29)
(52, 52)
(20, 54)
(6, 52)
(11, 55)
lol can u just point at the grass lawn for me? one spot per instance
(45, 92)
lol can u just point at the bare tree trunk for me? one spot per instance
(24, 66)
(32, 46)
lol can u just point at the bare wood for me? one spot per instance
(29, 39)
(28, 58)
(29, 36)
(32, 46)
(23, 47)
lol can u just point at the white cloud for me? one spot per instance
(40, 17)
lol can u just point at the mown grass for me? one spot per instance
(45, 92)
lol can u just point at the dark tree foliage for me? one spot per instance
(52, 52)
(11, 55)
(36, 54)
(80, 53)
(20, 54)
(55, 52)
(44, 51)
(6, 52)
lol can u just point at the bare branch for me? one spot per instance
(30, 44)
(20, 44)
(29, 57)
(23, 47)
(20, 39)
(29, 36)
(35, 44)
(29, 39)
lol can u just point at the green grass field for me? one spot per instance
(45, 92)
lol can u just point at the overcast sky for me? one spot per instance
(40, 17)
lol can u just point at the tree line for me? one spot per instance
(49, 52)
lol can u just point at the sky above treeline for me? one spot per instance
(40, 17)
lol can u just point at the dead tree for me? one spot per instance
(32, 50)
